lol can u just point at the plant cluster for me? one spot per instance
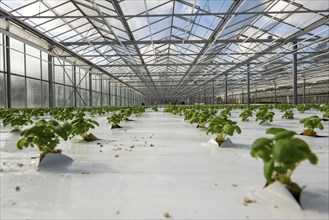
(45, 136)
(281, 155)
(311, 123)
(222, 127)
(264, 116)
(288, 114)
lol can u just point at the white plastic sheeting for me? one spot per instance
(156, 165)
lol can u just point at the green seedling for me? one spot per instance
(81, 126)
(264, 116)
(115, 119)
(225, 112)
(311, 123)
(155, 108)
(45, 136)
(16, 120)
(137, 111)
(302, 108)
(288, 114)
(222, 127)
(245, 114)
(64, 114)
(281, 155)
(201, 118)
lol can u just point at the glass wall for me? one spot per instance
(35, 75)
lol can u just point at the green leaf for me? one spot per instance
(268, 170)
(22, 143)
(285, 151)
(284, 135)
(61, 132)
(228, 129)
(274, 130)
(67, 126)
(261, 143)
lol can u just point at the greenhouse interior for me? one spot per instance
(164, 109)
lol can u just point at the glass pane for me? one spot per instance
(96, 99)
(18, 92)
(84, 94)
(59, 95)
(44, 70)
(45, 94)
(33, 67)
(17, 45)
(58, 73)
(105, 100)
(68, 75)
(17, 62)
(69, 97)
(33, 88)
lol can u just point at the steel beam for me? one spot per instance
(166, 15)
(203, 41)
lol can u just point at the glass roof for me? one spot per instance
(163, 48)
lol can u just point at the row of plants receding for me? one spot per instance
(62, 123)
(281, 154)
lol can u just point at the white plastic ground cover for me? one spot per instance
(158, 166)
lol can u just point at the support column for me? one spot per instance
(213, 92)
(295, 74)
(204, 95)
(8, 70)
(242, 98)
(110, 101)
(101, 92)
(226, 101)
(90, 90)
(248, 84)
(116, 95)
(255, 94)
(275, 93)
(304, 84)
(74, 85)
(50, 81)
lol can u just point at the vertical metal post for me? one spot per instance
(50, 81)
(226, 100)
(8, 71)
(242, 97)
(213, 92)
(204, 95)
(275, 93)
(116, 94)
(304, 84)
(248, 84)
(255, 94)
(75, 85)
(295, 74)
(110, 101)
(101, 92)
(90, 90)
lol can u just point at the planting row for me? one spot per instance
(45, 127)
(281, 154)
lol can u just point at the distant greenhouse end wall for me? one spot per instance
(30, 77)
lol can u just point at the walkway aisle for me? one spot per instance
(155, 165)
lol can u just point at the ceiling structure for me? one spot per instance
(174, 48)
